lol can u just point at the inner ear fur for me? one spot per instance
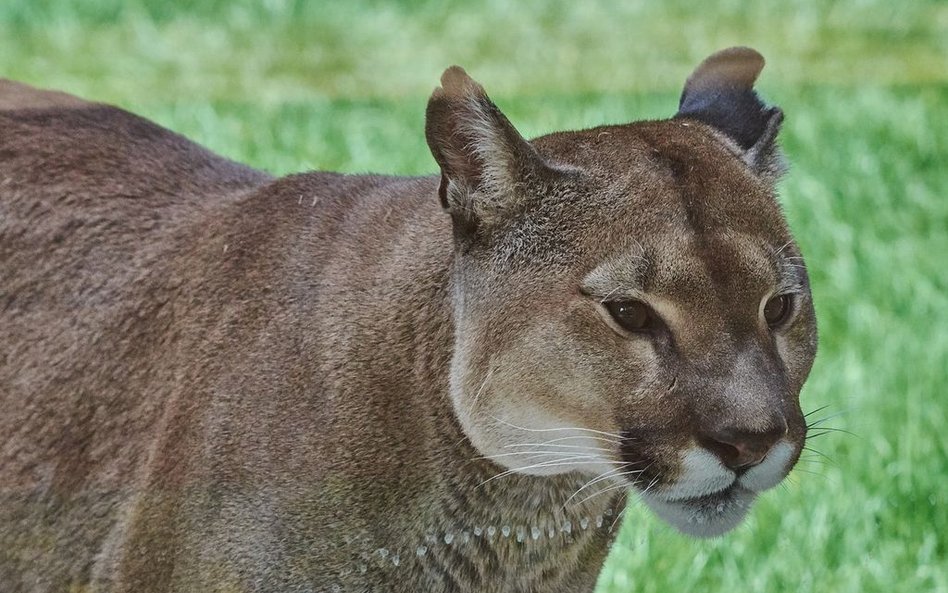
(720, 92)
(484, 160)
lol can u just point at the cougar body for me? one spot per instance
(214, 380)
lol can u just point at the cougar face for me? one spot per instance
(629, 301)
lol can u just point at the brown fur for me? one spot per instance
(212, 380)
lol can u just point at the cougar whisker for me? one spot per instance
(579, 428)
(558, 446)
(565, 461)
(603, 476)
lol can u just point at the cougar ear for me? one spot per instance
(720, 92)
(484, 160)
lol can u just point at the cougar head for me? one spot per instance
(628, 300)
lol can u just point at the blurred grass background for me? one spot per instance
(288, 85)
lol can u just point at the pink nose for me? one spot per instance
(741, 449)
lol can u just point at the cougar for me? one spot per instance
(214, 380)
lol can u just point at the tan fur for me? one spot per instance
(212, 380)
(16, 95)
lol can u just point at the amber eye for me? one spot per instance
(633, 316)
(777, 309)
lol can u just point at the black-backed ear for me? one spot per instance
(720, 92)
(483, 159)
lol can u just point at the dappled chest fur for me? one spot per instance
(214, 380)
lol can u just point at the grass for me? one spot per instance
(288, 86)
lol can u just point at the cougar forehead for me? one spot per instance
(676, 218)
(669, 181)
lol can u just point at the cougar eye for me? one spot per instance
(777, 309)
(633, 316)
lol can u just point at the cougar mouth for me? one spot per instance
(707, 515)
(710, 497)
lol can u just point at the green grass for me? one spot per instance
(288, 86)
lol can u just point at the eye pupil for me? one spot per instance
(634, 316)
(776, 310)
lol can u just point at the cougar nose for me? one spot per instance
(741, 449)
